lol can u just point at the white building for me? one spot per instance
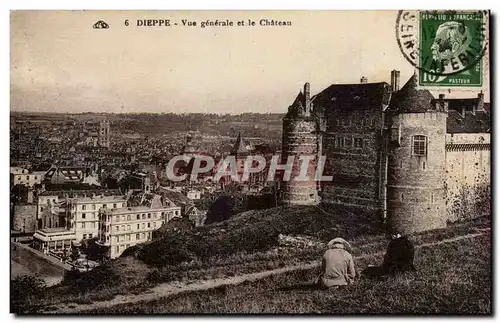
(53, 239)
(22, 176)
(122, 228)
(193, 194)
(79, 210)
(84, 213)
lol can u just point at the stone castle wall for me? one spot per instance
(468, 167)
(416, 195)
(352, 143)
(300, 139)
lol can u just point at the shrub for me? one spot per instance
(255, 231)
(25, 291)
(97, 278)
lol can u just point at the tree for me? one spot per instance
(230, 202)
(93, 250)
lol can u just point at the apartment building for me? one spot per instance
(121, 228)
(85, 213)
(78, 211)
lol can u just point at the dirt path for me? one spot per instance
(172, 288)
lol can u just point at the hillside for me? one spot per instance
(453, 278)
(250, 242)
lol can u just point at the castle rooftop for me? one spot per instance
(412, 100)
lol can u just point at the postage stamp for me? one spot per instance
(447, 47)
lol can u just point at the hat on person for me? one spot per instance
(337, 242)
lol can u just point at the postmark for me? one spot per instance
(447, 47)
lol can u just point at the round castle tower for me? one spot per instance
(300, 139)
(416, 176)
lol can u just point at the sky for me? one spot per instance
(59, 63)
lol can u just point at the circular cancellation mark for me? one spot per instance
(442, 42)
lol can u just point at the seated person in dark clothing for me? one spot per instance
(398, 258)
(399, 255)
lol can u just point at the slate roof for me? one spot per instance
(65, 192)
(457, 104)
(67, 174)
(145, 200)
(362, 96)
(297, 108)
(472, 104)
(176, 197)
(411, 100)
(480, 122)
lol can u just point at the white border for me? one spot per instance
(200, 5)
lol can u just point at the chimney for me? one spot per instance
(442, 104)
(395, 80)
(363, 80)
(480, 101)
(307, 98)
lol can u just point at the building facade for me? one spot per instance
(22, 176)
(76, 211)
(415, 160)
(125, 227)
(116, 221)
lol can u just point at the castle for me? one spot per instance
(417, 161)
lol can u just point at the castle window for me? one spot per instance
(340, 142)
(358, 143)
(419, 145)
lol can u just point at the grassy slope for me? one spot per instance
(229, 240)
(453, 278)
(239, 245)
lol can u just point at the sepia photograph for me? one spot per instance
(314, 162)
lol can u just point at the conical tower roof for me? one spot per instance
(297, 108)
(412, 100)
